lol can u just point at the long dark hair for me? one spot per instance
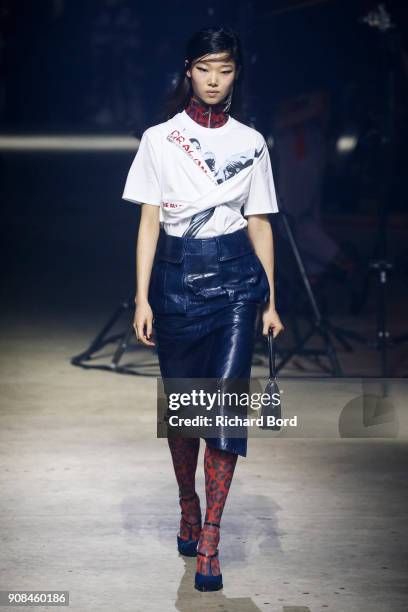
(215, 39)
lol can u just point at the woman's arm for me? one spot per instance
(149, 229)
(261, 236)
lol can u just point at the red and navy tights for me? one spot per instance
(219, 466)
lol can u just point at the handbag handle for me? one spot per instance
(271, 353)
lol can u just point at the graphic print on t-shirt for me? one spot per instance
(208, 156)
(229, 168)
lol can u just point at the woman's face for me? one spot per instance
(212, 77)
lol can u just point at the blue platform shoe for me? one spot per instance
(188, 548)
(209, 582)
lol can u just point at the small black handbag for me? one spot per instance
(274, 406)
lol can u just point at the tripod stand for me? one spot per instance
(318, 323)
(122, 341)
(381, 264)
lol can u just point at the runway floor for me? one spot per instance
(89, 500)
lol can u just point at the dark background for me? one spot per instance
(62, 62)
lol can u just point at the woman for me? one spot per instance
(203, 269)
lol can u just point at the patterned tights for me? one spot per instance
(219, 466)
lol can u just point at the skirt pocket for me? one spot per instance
(202, 278)
(244, 278)
(166, 293)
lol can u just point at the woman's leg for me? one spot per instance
(183, 354)
(234, 336)
(184, 453)
(219, 466)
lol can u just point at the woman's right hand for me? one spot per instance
(143, 322)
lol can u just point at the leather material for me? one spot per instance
(193, 275)
(205, 295)
(217, 345)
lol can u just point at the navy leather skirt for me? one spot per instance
(205, 294)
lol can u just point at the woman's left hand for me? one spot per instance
(270, 319)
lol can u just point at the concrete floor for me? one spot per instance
(89, 500)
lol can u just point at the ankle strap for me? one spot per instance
(210, 523)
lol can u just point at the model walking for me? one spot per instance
(204, 268)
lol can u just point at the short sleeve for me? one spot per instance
(143, 183)
(262, 195)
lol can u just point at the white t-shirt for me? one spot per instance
(202, 177)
